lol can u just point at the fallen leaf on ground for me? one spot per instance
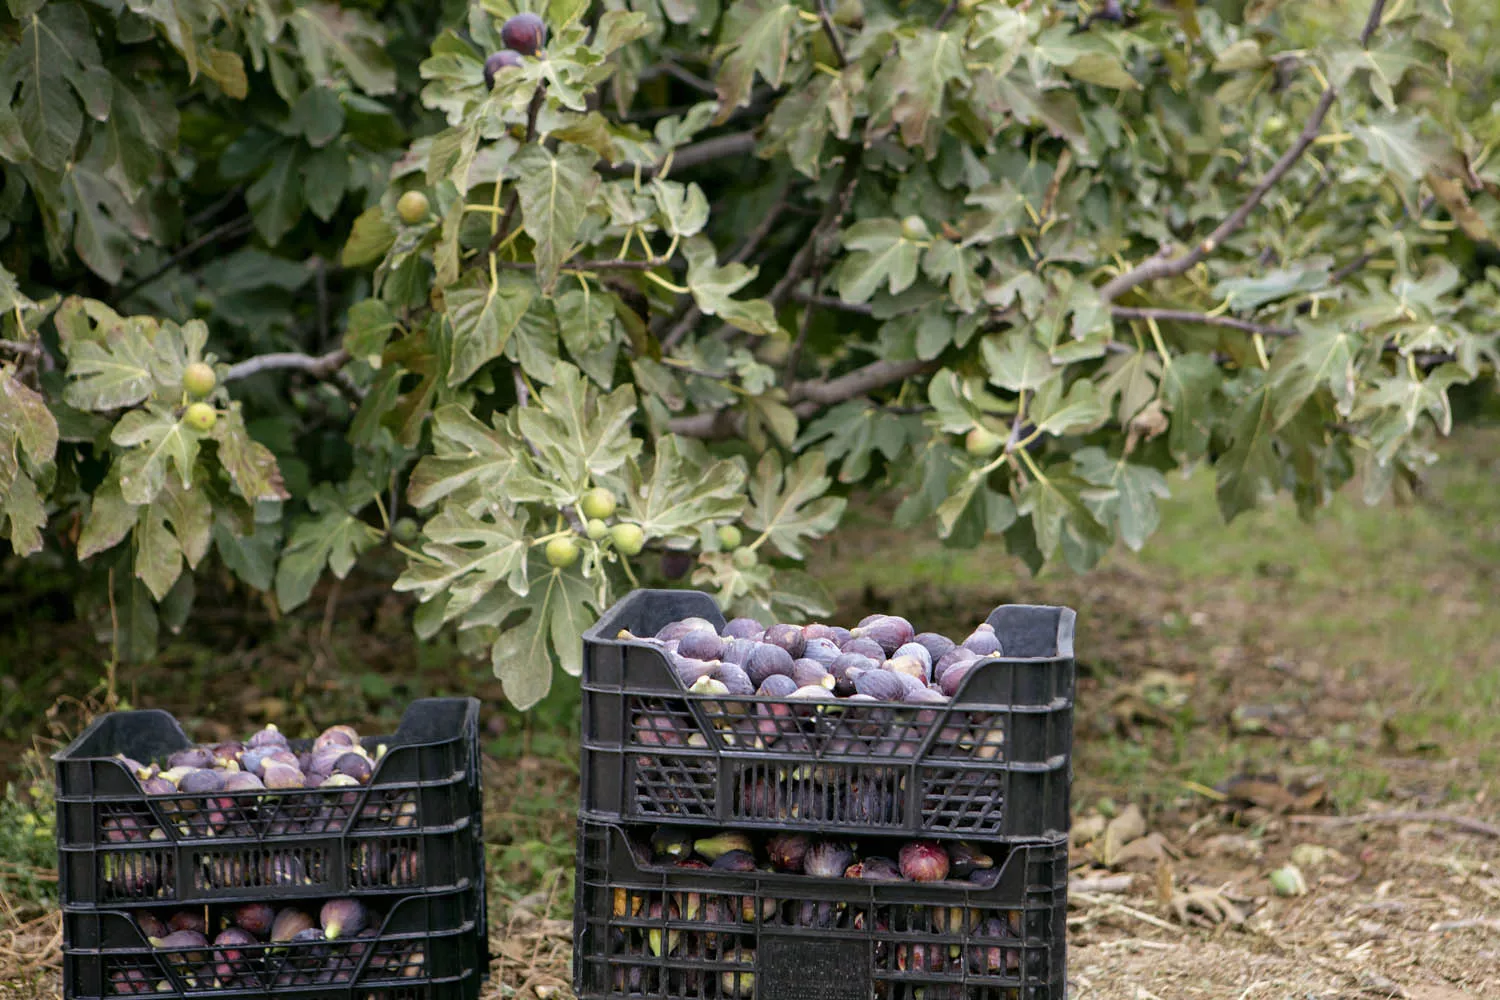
(1208, 907)
(1143, 853)
(1124, 828)
(1267, 792)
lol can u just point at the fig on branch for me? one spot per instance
(201, 417)
(598, 503)
(729, 536)
(413, 207)
(595, 529)
(198, 379)
(981, 442)
(504, 59)
(562, 552)
(629, 539)
(525, 33)
(405, 530)
(745, 557)
(914, 228)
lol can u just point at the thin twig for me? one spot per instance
(942, 19)
(1354, 265)
(694, 154)
(823, 235)
(672, 69)
(17, 347)
(228, 230)
(800, 263)
(1188, 316)
(320, 366)
(612, 264)
(1166, 266)
(1465, 823)
(834, 302)
(509, 217)
(831, 30)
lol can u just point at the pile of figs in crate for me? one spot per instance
(306, 946)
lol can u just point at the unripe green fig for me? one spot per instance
(981, 442)
(412, 207)
(201, 417)
(914, 228)
(404, 530)
(199, 379)
(745, 558)
(595, 529)
(628, 538)
(598, 502)
(729, 536)
(562, 552)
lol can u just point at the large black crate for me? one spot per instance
(702, 934)
(994, 763)
(415, 825)
(429, 947)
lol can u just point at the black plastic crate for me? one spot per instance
(702, 934)
(993, 763)
(428, 948)
(414, 825)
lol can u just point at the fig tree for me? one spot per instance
(562, 552)
(981, 442)
(495, 63)
(413, 207)
(199, 379)
(598, 503)
(729, 536)
(201, 417)
(628, 538)
(525, 33)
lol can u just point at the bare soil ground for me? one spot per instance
(1325, 697)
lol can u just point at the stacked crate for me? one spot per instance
(991, 767)
(408, 845)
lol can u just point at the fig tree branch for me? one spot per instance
(1167, 266)
(224, 231)
(834, 302)
(319, 366)
(1188, 316)
(610, 264)
(694, 154)
(824, 236)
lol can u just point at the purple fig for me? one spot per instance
(657, 730)
(342, 736)
(151, 926)
(734, 861)
(924, 861)
(985, 878)
(525, 33)
(767, 659)
(182, 940)
(918, 652)
(158, 786)
(255, 918)
(356, 766)
(269, 736)
(343, 917)
(736, 679)
(787, 851)
(187, 920)
(964, 858)
(926, 695)
(889, 631)
(811, 673)
(700, 644)
(909, 665)
(950, 659)
(201, 783)
(876, 869)
(936, 645)
(839, 668)
(678, 629)
(283, 869)
(864, 647)
(834, 633)
(882, 685)
(282, 776)
(497, 61)
(953, 677)
(744, 628)
(823, 651)
(194, 757)
(776, 686)
(827, 859)
(288, 924)
(688, 671)
(983, 641)
(242, 781)
(867, 619)
(738, 651)
(230, 940)
(788, 637)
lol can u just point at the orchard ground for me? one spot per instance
(1348, 665)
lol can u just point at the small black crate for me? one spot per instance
(428, 947)
(415, 824)
(702, 934)
(993, 763)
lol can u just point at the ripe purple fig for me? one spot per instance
(953, 677)
(811, 673)
(909, 665)
(875, 869)
(787, 851)
(230, 940)
(504, 59)
(283, 869)
(936, 645)
(734, 861)
(985, 878)
(269, 736)
(278, 775)
(255, 918)
(824, 651)
(833, 633)
(956, 655)
(840, 667)
(187, 920)
(343, 918)
(865, 647)
(180, 941)
(788, 637)
(340, 735)
(678, 629)
(983, 641)
(767, 659)
(964, 858)
(927, 695)
(735, 679)
(890, 631)
(194, 757)
(700, 644)
(242, 781)
(867, 619)
(288, 924)
(827, 859)
(916, 651)
(159, 786)
(151, 926)
(356, 766)
(201, 783)
(777, 686)
(744, 628)
(525, 33)
(882, 685)
(924, 861)
(689, 670)
(738, 651)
